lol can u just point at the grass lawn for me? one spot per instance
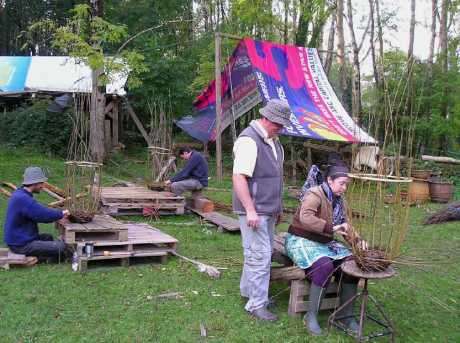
(50, 303)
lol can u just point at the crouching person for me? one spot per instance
(21, 232)
(193, 177)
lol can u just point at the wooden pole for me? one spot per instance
(115, 122)
(218, 109)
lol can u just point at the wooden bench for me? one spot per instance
(299, 285)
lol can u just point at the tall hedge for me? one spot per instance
(33, 126)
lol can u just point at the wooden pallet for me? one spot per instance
(143, 241)
(132, 201)
(8, 259)
(101, 228)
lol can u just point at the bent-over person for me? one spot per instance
(23, 214)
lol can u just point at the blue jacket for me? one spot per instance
(22, 215)
(195, 168)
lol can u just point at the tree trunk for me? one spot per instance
(304, 22)
(434, 10)
(410, 60)
(410, 51)
(356, 80)
(444, 67)
(97, 106)
(380, 37)
(286, 20)
(372, 45)
(330, 46)
(341, 54)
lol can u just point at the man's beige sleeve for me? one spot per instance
(245, 156)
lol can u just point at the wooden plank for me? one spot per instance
(135, 193)
(9, 185)
(7, 257)
(52, 194)
(124, 261)
(115, 124)
(286, 273)
(5, 192)
(138, 123)
(300, 289)
(107, 135)
(220, 220)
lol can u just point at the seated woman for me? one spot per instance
(310, 241)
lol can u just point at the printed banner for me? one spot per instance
(52, 74)
(239, 95)
(260, 71)
(13, 73)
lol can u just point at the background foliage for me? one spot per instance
(34, 126)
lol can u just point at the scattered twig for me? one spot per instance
(172, 295)
(202, 268)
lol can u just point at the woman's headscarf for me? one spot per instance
(315, 178)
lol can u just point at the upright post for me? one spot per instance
(218, 109)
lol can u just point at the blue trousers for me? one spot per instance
(43, 247)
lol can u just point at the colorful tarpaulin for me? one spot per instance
(51, 74)
(259, 71)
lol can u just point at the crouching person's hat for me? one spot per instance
(33, 175)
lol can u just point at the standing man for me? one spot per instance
(193, 177)
(23, 214)
(257, 199)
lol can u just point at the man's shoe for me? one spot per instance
(264, 314)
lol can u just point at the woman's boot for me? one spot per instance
(348, 290)
(311, 317)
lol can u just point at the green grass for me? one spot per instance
(50, 303)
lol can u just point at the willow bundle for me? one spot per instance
(382, 198)
(82, 185)
(159, 153)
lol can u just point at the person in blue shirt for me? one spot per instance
(193, 177)
(24, 213)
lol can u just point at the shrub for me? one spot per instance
(33, 126)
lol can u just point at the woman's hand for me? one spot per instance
(341, 229)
